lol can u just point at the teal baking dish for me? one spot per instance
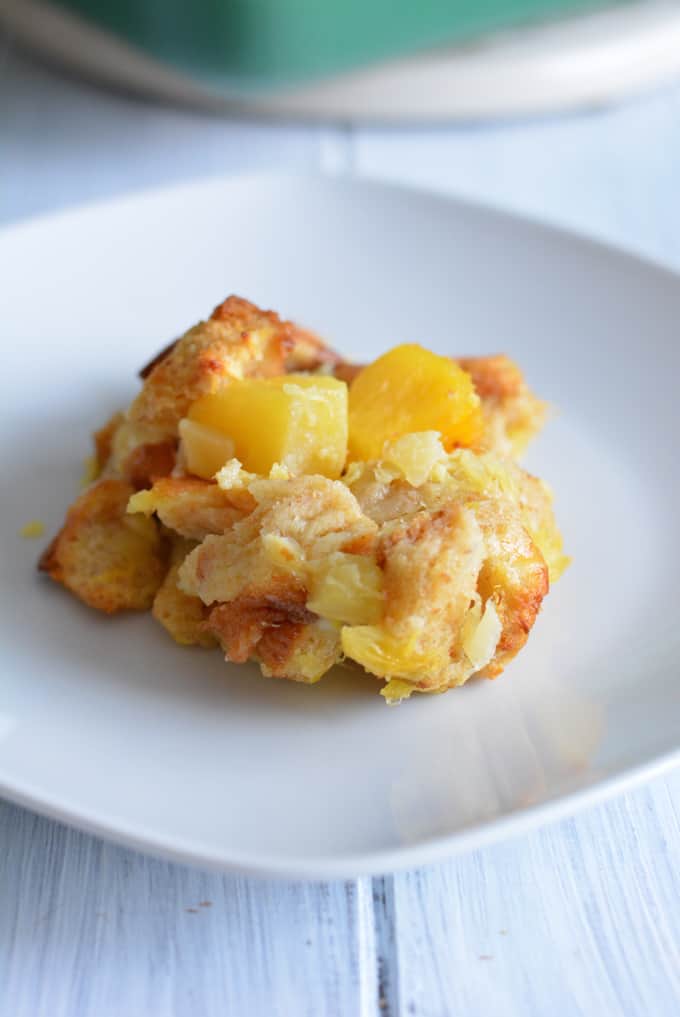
(260, 43)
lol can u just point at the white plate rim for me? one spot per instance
(371, 863)
(131, 196)
(425, 852)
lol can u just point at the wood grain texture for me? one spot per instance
(577, 919)
(581, 919)
(87, 928)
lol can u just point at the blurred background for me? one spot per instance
(381, 59)
(563, 109)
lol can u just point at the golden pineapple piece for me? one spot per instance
(512, 415)
(480, 633)
(387, 655)
(347, 588)
(204, 449)
(296, 420)
(411, 389)
(414, 456)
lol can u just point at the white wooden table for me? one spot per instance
(580, 918)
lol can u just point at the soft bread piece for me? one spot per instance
(182, 616)
(110, 560)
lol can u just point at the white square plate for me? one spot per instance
(105, 723)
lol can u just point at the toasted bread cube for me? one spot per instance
(411, 389)
(239, 340)
(110, 560)
(296, 420)
(181, 615)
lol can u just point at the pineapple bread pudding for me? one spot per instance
(262, 496)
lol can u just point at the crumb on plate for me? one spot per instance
(32, 529)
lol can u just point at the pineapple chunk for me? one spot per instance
(482, 629)
(297, 420)
(411, 389)
(396, 690)
(205, 450)
(347, 588)
(386, 655)
(416, 455)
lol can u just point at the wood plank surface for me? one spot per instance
(580, 919)
(92, 928)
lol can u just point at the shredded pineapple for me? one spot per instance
(415, 455)
(386, 655)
